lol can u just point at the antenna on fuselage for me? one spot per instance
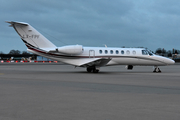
(105, 45)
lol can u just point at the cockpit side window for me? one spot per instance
(144, 52)
(150, 53)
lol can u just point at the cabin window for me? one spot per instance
(144, 52)
(106, 52)
(128, 52)
(134, 52)
(117, 52)
(122, 51)
(111, 51)
(100, 51)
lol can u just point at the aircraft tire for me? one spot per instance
(95, 71)
(89, 70)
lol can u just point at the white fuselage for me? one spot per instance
(89, 57)
(118, 56)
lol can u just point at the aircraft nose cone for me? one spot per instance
(170, 62)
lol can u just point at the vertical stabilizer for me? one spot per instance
(30, 36)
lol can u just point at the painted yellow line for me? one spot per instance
(1, 73)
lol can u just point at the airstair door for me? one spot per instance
(91, 53)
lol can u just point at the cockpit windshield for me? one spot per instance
(147, 52)
(150, 53)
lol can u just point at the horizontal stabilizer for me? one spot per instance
(17, 23)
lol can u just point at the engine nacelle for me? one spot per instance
(70, 49)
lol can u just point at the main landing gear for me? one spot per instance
(92, 69)
(157, 69)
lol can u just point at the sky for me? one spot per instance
(116, 23)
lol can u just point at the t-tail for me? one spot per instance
(30, 36)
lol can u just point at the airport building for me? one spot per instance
(24, 58)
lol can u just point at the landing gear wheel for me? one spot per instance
(154, 69)
(157, 69)
(92, 69)
(89, 70)
(95, 70)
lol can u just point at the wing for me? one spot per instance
(95, 62)
(87, 62)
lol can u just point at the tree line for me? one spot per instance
(17, 52)
(168, 53)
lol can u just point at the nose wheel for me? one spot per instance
(157, 69)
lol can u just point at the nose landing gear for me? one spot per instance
(157, 69)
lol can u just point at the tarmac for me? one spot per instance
(53, 91)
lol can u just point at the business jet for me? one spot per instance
(92, 58)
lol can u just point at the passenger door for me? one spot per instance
(91, 53)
